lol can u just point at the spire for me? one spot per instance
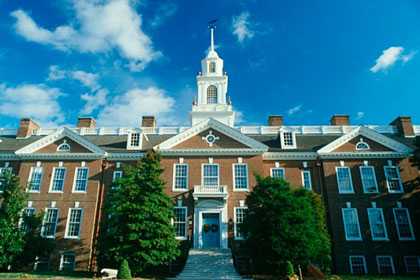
(212, 41)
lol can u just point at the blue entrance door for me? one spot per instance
(211, 230)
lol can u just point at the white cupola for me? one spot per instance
(212, 85)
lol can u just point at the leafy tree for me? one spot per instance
(139, 226)
(124, 272)
(283, 224)
(289, 269)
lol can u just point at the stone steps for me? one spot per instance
(209, 264)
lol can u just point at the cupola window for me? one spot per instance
(362, 146)
(212, 67)
(211, 95)
(63, 147)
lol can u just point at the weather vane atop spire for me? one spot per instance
(212, 26)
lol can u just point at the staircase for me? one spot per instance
(209, 264)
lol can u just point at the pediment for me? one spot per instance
(377, 143)
(53, 147)
(211, 135)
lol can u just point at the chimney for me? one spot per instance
(148, 121)
(340, 120)
(86, 122)
(275, 120)
(26, 126)
(405, 126)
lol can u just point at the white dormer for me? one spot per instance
(287, 138)
(134, 139)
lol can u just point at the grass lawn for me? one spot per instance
(47, 274)
(369, 277)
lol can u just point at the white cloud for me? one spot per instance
(293, 110)
(360, 115)
(164, 12)
(94, 101)
(89, 80)
(242, 27)
(127, 109)
(36, 101)
(98, 27)
(389, 57)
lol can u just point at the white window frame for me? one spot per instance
(140, 140)
(405, 263)
(21, 221)
(52, 179)
(64, 144)
(62, 260)
(303, 179)
(280, 168)
(235, 222)
(338, 180)
(186, 223)
(115, 173)
(361, 142)
(37, 261)
(358, 225)
(33, 168)
(2, 170)
(282, 138)
(364, 263)
(75, 179)
(234, 177)
(370, 210)
(202, 173)
(409, 224)
(68, 223)
(174, 178)
(365, 189)
(392, 263)
(56, 222)
(399, 179)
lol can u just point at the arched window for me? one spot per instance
(362, 146)
(212, 67)
(211, 95)
(63, 147)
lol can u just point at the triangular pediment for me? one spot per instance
(50, 145)
(376, 142)
(211, 135)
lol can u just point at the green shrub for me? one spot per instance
(124, 272)
(289, 269)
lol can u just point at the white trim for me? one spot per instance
(202, 173)
(211, 152)
(116, 172)
(292, 132)
(369, 211)
(56, 222)
(68, 221)
(385, 256)
(362, 155)
(374, 177)
(338, 181)
(363, 143)
(234, 222)
(281, 168)
(399, 179)
(357, 256)
(405, 262)
(358, 225)
(234, 178)
(125, 156)
(62, 258)
(64, 144)
(186, 223)
(140, 140)
(75, 177)
(40, 180)
(289, 156)
(52, 179)
(412, 238)
(37, 263)
(303, 179)
(174, 177)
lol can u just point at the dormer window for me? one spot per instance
(134, 140)
(212, 67)
(362, 146)
(63, 147)
(212, 95)
(287, 139)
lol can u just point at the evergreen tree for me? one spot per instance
(124, 272)
(139, 226)
(283, 224)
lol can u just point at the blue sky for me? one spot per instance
(118, 60)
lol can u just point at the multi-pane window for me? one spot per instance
(240, 171)
(358, 265)
(57, 182)
(135, 140)
(393, 180)
(277, 172)
(385, 265)
(412, 265)
(27, 211)
(50, 223)
(180, 222)
(210, 174)
(117, 175)
(180, 176)
(351, 224)
(239, 219)
(42, 263)
(367, 173)
(212, 67)
(377, 224)
(35, 178)
(211, 95)
(68, 262)
(306, 179)
(81, 179)
(403, 224)
(74, 222)
(344, 182)
(287, 138)
(3, 170)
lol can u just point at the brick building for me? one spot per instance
(370, 188)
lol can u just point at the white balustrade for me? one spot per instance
(8, 131)
(270, 129)
(210, 189)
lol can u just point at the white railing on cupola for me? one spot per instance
(8, 131)
(416, 129)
